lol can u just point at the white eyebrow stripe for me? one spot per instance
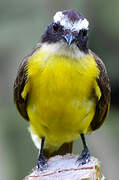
(64, 21)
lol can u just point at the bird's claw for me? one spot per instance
(84, 157)
(42, 163)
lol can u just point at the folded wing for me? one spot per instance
(103, 104)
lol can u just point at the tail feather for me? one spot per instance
(64, 149)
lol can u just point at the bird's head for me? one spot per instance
(68, 29)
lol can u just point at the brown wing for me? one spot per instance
(19, 85)
(104, 102)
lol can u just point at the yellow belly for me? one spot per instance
(61, 104)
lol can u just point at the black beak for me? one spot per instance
(69, 38)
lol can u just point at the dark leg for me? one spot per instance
(42, 161)
(85, 155)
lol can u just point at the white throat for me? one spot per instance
(62, 49)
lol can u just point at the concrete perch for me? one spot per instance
(66, 168)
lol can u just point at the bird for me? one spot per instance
(62, 88)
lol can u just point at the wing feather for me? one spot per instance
(103, 104)
(19, 85)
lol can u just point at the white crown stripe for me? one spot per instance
(67, 24)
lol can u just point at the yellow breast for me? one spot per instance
(61, 104)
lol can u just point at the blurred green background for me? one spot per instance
(21, 24)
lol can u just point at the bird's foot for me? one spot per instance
(84, 157)
(42, 163)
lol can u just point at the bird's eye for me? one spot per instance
(83, 33)
(56, 27)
